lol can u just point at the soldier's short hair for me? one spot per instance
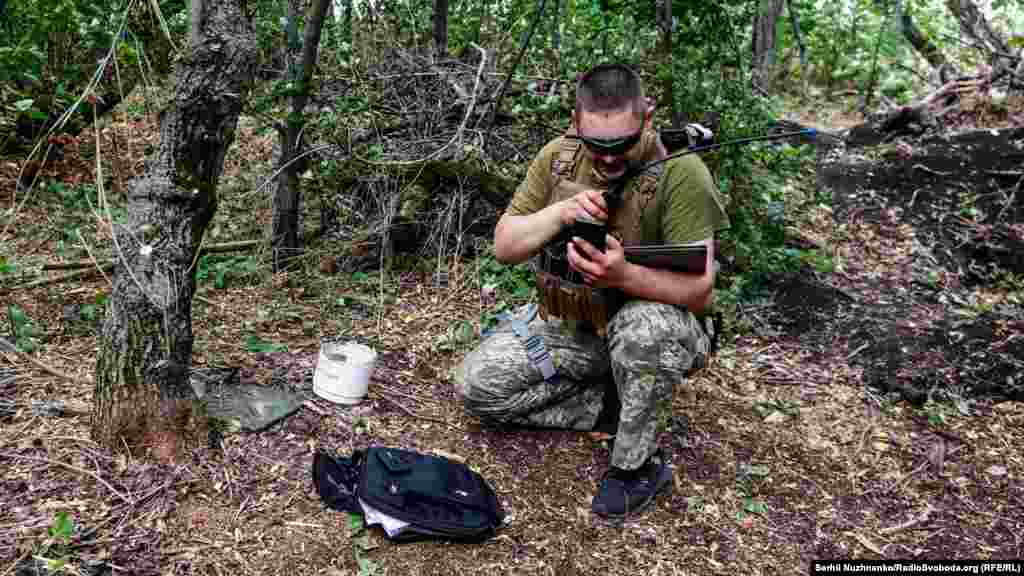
(608, 87)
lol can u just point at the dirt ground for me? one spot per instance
(865, 416)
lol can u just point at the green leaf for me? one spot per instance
(465, 332)
(26, 345)
(367, 567)
(17, 315)
(355, 522)
(759, 470)
(62, 527)
(360, 276)
(23, 105)
(754, 506)
(219, 278)
(254, 344)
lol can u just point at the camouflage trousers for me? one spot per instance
(648, 349)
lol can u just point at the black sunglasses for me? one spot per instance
(611, 146)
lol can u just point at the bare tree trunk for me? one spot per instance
(142, 393)
(663, 17)
(794, 21)
(974, 25)
(763, 44)
(440, 28)
(556, 31)
(348, 19)
(287, 228)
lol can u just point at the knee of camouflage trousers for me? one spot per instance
(652, 346)
(644, 325)
(497, 382)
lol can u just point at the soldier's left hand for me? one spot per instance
(598, 268)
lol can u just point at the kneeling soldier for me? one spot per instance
(644, 328)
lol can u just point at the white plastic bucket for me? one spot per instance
(343, 372)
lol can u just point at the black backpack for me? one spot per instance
(437, 497)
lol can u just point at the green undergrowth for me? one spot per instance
(775, 195)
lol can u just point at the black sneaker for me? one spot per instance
(626, 492)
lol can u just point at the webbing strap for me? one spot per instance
(564, 165)
(536, 351)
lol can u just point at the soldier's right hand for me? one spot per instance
(588, 201)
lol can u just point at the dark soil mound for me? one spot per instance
(965, 192)
(805, 304)
(982, 356)
(963, 196)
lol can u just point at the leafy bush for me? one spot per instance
(218, 269)
(23, 329)
(502, 287)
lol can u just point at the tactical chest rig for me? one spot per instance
(562, 290)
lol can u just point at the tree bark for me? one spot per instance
(794, 21)
(975, 26)
(515, 63)
(441, 28)
(287, 229)
(556, 31)
(663, 17)
(348, 19)
(763, 43)
(142, 392)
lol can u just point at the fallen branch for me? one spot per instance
(924, 168)
(211, 249)
(909, 523)
(6, 346)
(1010, 199)
(910, 475)
(70, 467)
(463, 95)
(90, 271)
(397, 392)
(396, 404)
(476, 90)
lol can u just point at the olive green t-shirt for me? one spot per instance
(688, 205)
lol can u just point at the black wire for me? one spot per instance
(616, 191)
(805, 132)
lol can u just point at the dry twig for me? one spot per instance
(9, 348)
(84, 273)
(1011, 199)
(909, 523)
(398, 405)
(73, 468)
